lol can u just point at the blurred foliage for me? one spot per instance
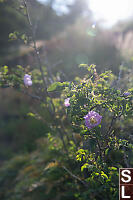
(18, 130)
(10, 21)
(14, 33)
(53, 154)
(89, 167)
(76, 45)
(45, 21)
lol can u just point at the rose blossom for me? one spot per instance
(66, 102)
(92, 119)
(27, 80)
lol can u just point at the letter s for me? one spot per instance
(126, 175)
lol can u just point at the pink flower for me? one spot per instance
(92, 119)
(66, 102)
(126, 94)
(27, 80)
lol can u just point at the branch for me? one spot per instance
(32, 95)
(38, 56)
(75, 177)
(35, 47)
(52, 112)
(125, 159)
(100, 149)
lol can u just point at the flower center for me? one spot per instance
(93, 120)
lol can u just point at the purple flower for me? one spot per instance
(126, 94)
(92, 119)
(27, 80)
(66, 102)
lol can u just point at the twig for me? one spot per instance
(111, 124)
(35, 47)
(75, 177)
(32, 95)
(100, 149)
(52, 112)
(125, 159)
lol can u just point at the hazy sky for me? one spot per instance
(110, 11)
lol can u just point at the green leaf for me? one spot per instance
(5, 69)
(86, 165)
(31, 114)
(57, 86)
(83, 65)
(112, 168)
(104, 175)
(24, 38)
(13, 36)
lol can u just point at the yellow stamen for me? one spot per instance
(93, 120)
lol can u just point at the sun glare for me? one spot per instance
(107, 11)
(111, 11)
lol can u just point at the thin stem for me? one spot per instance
(62, 138)
(52, 112)
(111, 124)
(38, 56)
(100, 149)
(75, 177)
(32, 95)
(125, 159)
(35, 47)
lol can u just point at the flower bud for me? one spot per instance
(27, 80)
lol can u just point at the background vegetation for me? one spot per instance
(34, 162)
